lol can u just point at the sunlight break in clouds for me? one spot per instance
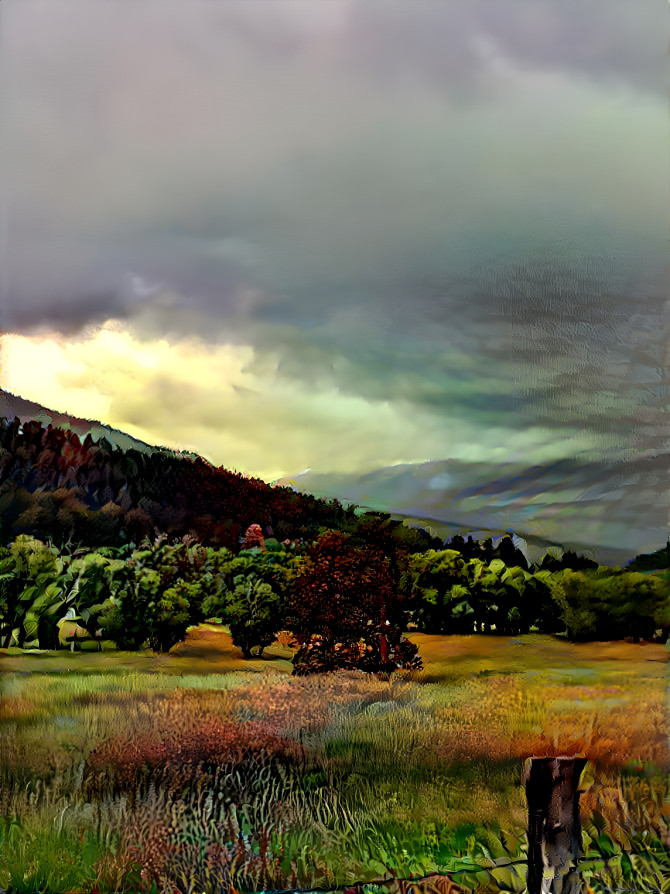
(197, 396)
(192, 395)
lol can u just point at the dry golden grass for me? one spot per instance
(510, 717)
(531, 703)
(453, 655)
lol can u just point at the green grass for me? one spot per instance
(45, 857)
(416, 774)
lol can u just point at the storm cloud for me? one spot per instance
(456, 209)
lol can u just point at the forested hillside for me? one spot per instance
(57, 487)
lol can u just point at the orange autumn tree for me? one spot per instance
(340, 610)
(253, 537)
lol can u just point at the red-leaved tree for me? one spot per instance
(339, 610)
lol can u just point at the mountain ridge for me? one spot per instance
(13, 405)
(610, 510)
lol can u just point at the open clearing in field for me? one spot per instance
(209, 649)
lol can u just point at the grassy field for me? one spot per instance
(196, 771)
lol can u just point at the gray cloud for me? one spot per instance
(616, 41)
(153, 135)
(457, 206)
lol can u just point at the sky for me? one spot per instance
(341, 234)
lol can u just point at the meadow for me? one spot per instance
(198, 771)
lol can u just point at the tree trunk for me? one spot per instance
(47, 634)
(554, 828)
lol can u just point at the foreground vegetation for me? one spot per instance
(200, 771)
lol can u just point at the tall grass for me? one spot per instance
(204, 782)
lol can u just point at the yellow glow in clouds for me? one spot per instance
(197, 396)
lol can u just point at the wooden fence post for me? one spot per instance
(554, 827)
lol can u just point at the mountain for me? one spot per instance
(11, 405)
(610, 511)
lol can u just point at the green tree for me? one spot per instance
(94, 578)
(250, 594)
(610, 604)
(254, 614)
(150, 604)
(450, 594)
(32, 593)
(170, 617)
(436, 585)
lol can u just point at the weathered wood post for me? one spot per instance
(554, 827)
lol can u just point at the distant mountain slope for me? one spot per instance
(611, 511)
(12, 405)
(533, 548)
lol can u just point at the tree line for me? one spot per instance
(347, 600)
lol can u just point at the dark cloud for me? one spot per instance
(454, 207)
